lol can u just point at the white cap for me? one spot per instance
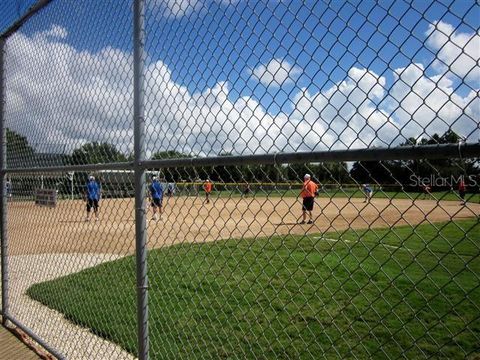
(91, 178)
(307, 176)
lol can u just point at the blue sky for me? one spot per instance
(315, 36)
(318, 45)
(222, 41)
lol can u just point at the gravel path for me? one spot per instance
(73, 341)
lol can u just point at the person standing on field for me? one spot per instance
(308, 193)
(246, 189)
(92, 195)
(461, 191)
(207, 186)
(426, 190)
(156, 197)
(8, 187)
(170, 189)
(368, 192)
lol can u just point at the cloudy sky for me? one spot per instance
(247, 77)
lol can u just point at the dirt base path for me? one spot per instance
(33, 229)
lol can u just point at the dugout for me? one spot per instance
(24, 186)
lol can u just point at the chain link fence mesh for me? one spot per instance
(12, 11)
(248, 258)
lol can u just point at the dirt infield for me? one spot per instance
(36, 230)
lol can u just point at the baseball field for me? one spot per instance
(238, 277)
(63, 229)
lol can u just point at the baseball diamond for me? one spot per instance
(227, 179)
(189, 219)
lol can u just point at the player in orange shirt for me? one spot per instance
(207, 186)
(309, 191)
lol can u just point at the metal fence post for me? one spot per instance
(3, 202)
(139, 149)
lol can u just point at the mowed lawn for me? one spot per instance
(412, 292)
(348, 193)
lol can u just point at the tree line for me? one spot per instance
(405, 173)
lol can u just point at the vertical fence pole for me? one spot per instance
(139, 149)
(3, 202)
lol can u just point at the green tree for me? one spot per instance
(169, 154)
(19, 151)
(333, 172)
(401, 172)
(96, 153)
(440, 167)
(174, 174)
(371, 172)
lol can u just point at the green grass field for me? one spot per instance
(348, 192)
(236, 192)
(363, 294)
(356, 194)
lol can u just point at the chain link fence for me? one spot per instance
(304, 175)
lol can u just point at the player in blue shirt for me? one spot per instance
(156, 197)
(92, 195)
(368, 192)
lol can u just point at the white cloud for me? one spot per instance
(345, 116)
(425, 105)
(57, 94)
(276, 73)
(57, 31)
(458, 52)
(176, 8)
(210, 122)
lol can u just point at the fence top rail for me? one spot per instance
(39, 5)
(427, 152)
(440, 151)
